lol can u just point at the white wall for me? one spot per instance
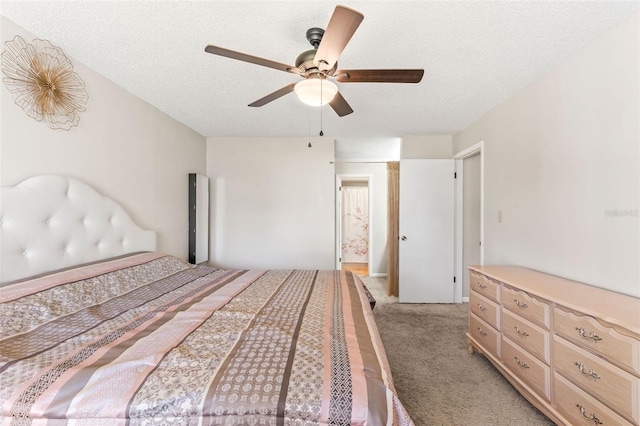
(560, 158)
(272, 203)
(368, 149)
(426, 146)
(378, 210)
(123, 147)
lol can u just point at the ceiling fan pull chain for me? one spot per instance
(321, 133)
(309, 128)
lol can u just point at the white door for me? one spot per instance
(426, 248)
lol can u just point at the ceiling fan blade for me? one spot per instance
(343, 24)
(340, 105)
(379, 76)
(273, 96)
(221, 51)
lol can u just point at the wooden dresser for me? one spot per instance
(571, 349)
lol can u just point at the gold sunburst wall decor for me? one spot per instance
(42, 81)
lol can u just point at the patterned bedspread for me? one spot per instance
(150, 339)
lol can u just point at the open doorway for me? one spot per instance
(469, 215)
(353, 215)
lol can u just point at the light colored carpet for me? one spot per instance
(438, 382)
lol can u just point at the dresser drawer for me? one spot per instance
(485, 309)
(484, 334)
(619, 389)
(532, 371)
(580, 407)
(526, 305)
(533, 338)
(484, 285)
(587, 332)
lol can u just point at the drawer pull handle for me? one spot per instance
(592, 417)
(520, 304)
(521, 331)
(521, 363)
(591, 373)
(482, 286)
(482, 332)
(592, 335)
(482, 307)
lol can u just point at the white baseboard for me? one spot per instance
(378, 275)
(465, 300)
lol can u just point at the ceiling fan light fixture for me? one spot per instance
(316, 91)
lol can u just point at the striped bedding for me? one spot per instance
(149, 339)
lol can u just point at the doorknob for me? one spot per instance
(403, 238)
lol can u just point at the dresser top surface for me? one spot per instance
(615, 308)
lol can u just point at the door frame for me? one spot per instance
(476, 149)
(352, 177)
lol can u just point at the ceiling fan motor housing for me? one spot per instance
(304, 61)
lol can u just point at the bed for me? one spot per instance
(98, 328)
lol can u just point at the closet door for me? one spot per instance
(426, 247)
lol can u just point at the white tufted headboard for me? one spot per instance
(52, 222)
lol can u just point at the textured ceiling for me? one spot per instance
(475, 54)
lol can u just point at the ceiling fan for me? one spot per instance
(319, 64)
